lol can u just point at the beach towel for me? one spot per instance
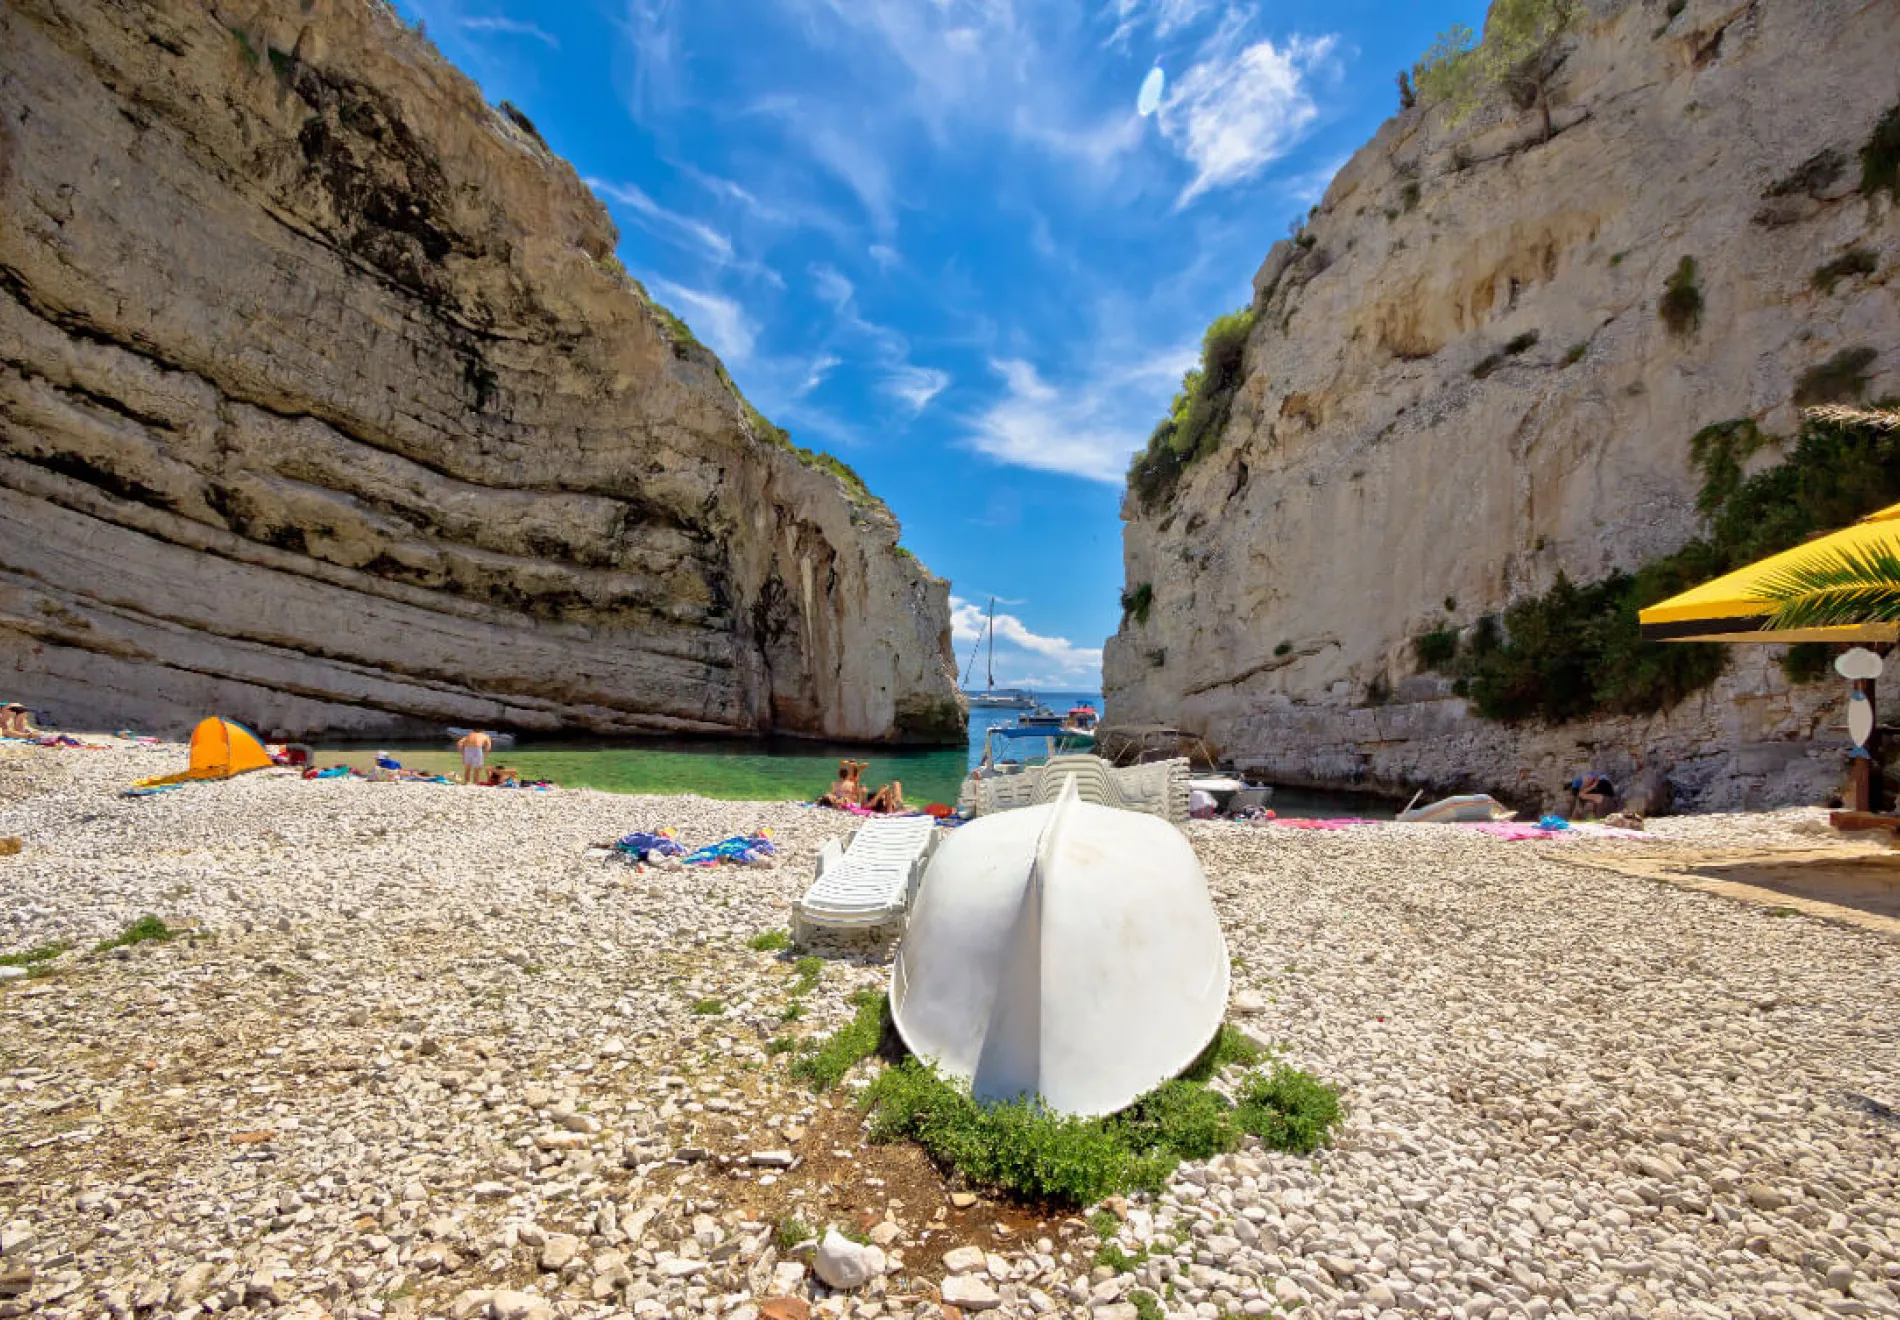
(1517, 832)
(641, 845)
(740, 850)
(1300, 823)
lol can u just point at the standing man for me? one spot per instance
(474, 745)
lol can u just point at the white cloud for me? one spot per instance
(714, 318)
(885, 257)
(916, 386)
(1089, 427)
(820, 368)
(659, 220)
(1162, 17)
(1017, 645)
(1240, 108)
(832, 286)
(512, 27)
(851, 158)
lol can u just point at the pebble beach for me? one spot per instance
(425, 1050)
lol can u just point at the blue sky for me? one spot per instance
(935, 238)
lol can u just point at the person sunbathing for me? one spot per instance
(15, 722)
(847, 790)
(888, 799)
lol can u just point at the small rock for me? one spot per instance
(788, 1276)
(1764, 1197)
(963, 1200)
(509, 1305)
(470, 1304)
(845, 1264)
(489, 1191)
(1248, 1002)
(961, 1260)
(969, 1293)
(785, 1308)
(559, 1250)
(771, 1159)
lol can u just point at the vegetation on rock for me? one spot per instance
(1137, 603)
(1840, 379)
(1880, 157)
(1681, 304)
(1518, 55)
(1855, 261)
(1575, 651)
(1199, 414)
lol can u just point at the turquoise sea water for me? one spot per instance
(781, 769)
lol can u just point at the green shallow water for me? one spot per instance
(712, 770)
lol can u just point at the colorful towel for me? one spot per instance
(740, 850)
(1300, 823)
(642, 845)
(1516, 831)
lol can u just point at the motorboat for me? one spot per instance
(1082, 718)
(1007, 748)
(1068, 952)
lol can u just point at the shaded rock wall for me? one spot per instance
(324, 404)
(1459, 385)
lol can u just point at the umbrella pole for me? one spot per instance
(1866, 791)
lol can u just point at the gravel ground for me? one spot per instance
(423, 1055)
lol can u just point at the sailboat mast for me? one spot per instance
(992, 632)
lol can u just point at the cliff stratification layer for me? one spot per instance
(325, 405)
(1458, 385)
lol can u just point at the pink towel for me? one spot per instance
(1300, 823)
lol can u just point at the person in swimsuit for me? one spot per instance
(14, 722)
(888, 799)
(474, 745)
(848, 789)
(1596, 795)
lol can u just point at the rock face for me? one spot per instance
(326, 405)
(1458, 384)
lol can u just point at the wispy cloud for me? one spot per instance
(715, 318)
(659, 220)
(511, 27)
(1161, 17)
(916, 386)
(1072, 663)
(1242, 105)
(821, 367)
(1084, 429)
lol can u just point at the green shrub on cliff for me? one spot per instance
(1198, 417)
(1576, 651)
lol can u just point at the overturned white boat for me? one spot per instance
(1067, 951)
(1464, 809)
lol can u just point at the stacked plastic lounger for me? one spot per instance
(1159, 788)
(870, 882)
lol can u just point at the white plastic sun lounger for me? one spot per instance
(869, 883)
(1158, 788)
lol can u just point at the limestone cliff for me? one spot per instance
(326, 404)
(1458, 384)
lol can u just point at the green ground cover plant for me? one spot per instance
(145, 930)
(1021, 1148)
(1198, 417)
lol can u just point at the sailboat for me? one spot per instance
(992, 696)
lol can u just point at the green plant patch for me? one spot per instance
(1576, 650)
(1681, 303)
(1137, 603)
(809, 969)
(1284, 648)
(1022, 1148)
(1807, 662)
(143, 931)
(790, 1232)
(1147, 1306)
(1436, 649)
(1229, 1047)
(769, 941)
(1880, 158)
(1840, 379)
(781, 1045)
(33, 957)
(1288, 1109)
(1197, 419)
(708, 1008)
(830, 1059)
(1855, 261)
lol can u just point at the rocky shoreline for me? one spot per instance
(422, 1054)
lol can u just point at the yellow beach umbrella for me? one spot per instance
(1734, 607)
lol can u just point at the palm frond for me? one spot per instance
(1884, 419)
(1842, 589)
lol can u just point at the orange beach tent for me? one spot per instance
(220, 748)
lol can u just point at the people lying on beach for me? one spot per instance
(1595, 794)
(15, 722)
(847, 790)
(474, 745)
(888, 799)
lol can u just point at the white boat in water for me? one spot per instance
(993, 697)
(1067, 951)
